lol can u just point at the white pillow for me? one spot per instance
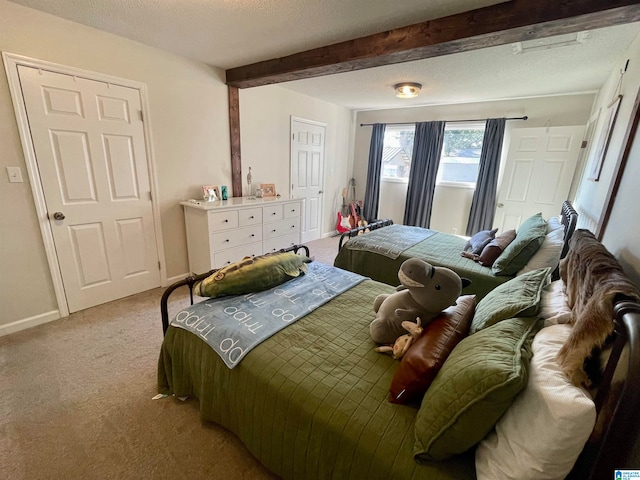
(541, 435)
(548, 255)
(554, 223)
(554, 308)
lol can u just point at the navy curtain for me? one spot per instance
(427, 148)
(372, 191)
(483, 205)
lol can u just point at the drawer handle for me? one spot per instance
(227, 240)
(293, 210)
(228, 262)
(274, 231)
(251, 217)
(253, 234)
(293, 226)
(226, 220)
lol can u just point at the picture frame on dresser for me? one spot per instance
(209, 192)
(268, 189)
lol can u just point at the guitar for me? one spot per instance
(344, 223)
(354, 216)
(344, 219)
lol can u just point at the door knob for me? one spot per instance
(58, 216)
(500, 205)
(320, 191)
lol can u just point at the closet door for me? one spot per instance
(89, 144)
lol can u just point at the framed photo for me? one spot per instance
(210, 192)
(604, 139)
(268, 189)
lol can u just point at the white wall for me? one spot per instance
(265, 123)
(591, 195)
(451, 204)
(623, 230)
(190, 138)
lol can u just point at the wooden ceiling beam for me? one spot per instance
(503, 23)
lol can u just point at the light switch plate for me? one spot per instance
(15, 174)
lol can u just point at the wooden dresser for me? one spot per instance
(225, 231)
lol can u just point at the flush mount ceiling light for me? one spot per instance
(407, 89)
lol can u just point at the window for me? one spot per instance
(459, 161)
(397, 150)
(460, 158)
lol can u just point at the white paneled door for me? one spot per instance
(538, 172)
(89, 145)
(307, 173)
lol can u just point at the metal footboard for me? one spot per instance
(191, 280)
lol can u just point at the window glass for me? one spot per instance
(397, 150)
(459, 161)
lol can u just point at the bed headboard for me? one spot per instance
(612, 442)
(569, 220)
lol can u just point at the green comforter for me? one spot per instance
(311, 401)
(441, 250)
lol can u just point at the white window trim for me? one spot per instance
(467, 185)
(394, 180)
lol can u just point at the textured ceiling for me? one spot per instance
(231, 33)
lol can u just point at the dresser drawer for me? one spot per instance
(291, 210)
(272, 213)
(250, 216)
(283, 227)
(226, 257)
(223, 220)
(278, 243)
(232, 238)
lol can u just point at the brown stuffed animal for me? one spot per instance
(402, 344)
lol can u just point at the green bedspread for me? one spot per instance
(441, 249)
(311, 401)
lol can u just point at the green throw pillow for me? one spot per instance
(252, 274)
(520, 296)
(476, 385)
(529, 237)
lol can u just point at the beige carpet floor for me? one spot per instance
(76, 401)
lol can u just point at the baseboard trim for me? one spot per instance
(175, 279)
(25, 323)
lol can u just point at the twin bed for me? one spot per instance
(312, 401)
(379, 254)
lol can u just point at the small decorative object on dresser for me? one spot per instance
(249, 181)
(209, 192)
(224, 195)
(268, 189)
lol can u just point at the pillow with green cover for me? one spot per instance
(476, 385)
(252, 274)
(520, 296)
(529, 237)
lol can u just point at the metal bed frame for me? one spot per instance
(192, 279)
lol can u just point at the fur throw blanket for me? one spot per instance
(593, 279)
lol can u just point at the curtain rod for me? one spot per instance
(446, 121)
